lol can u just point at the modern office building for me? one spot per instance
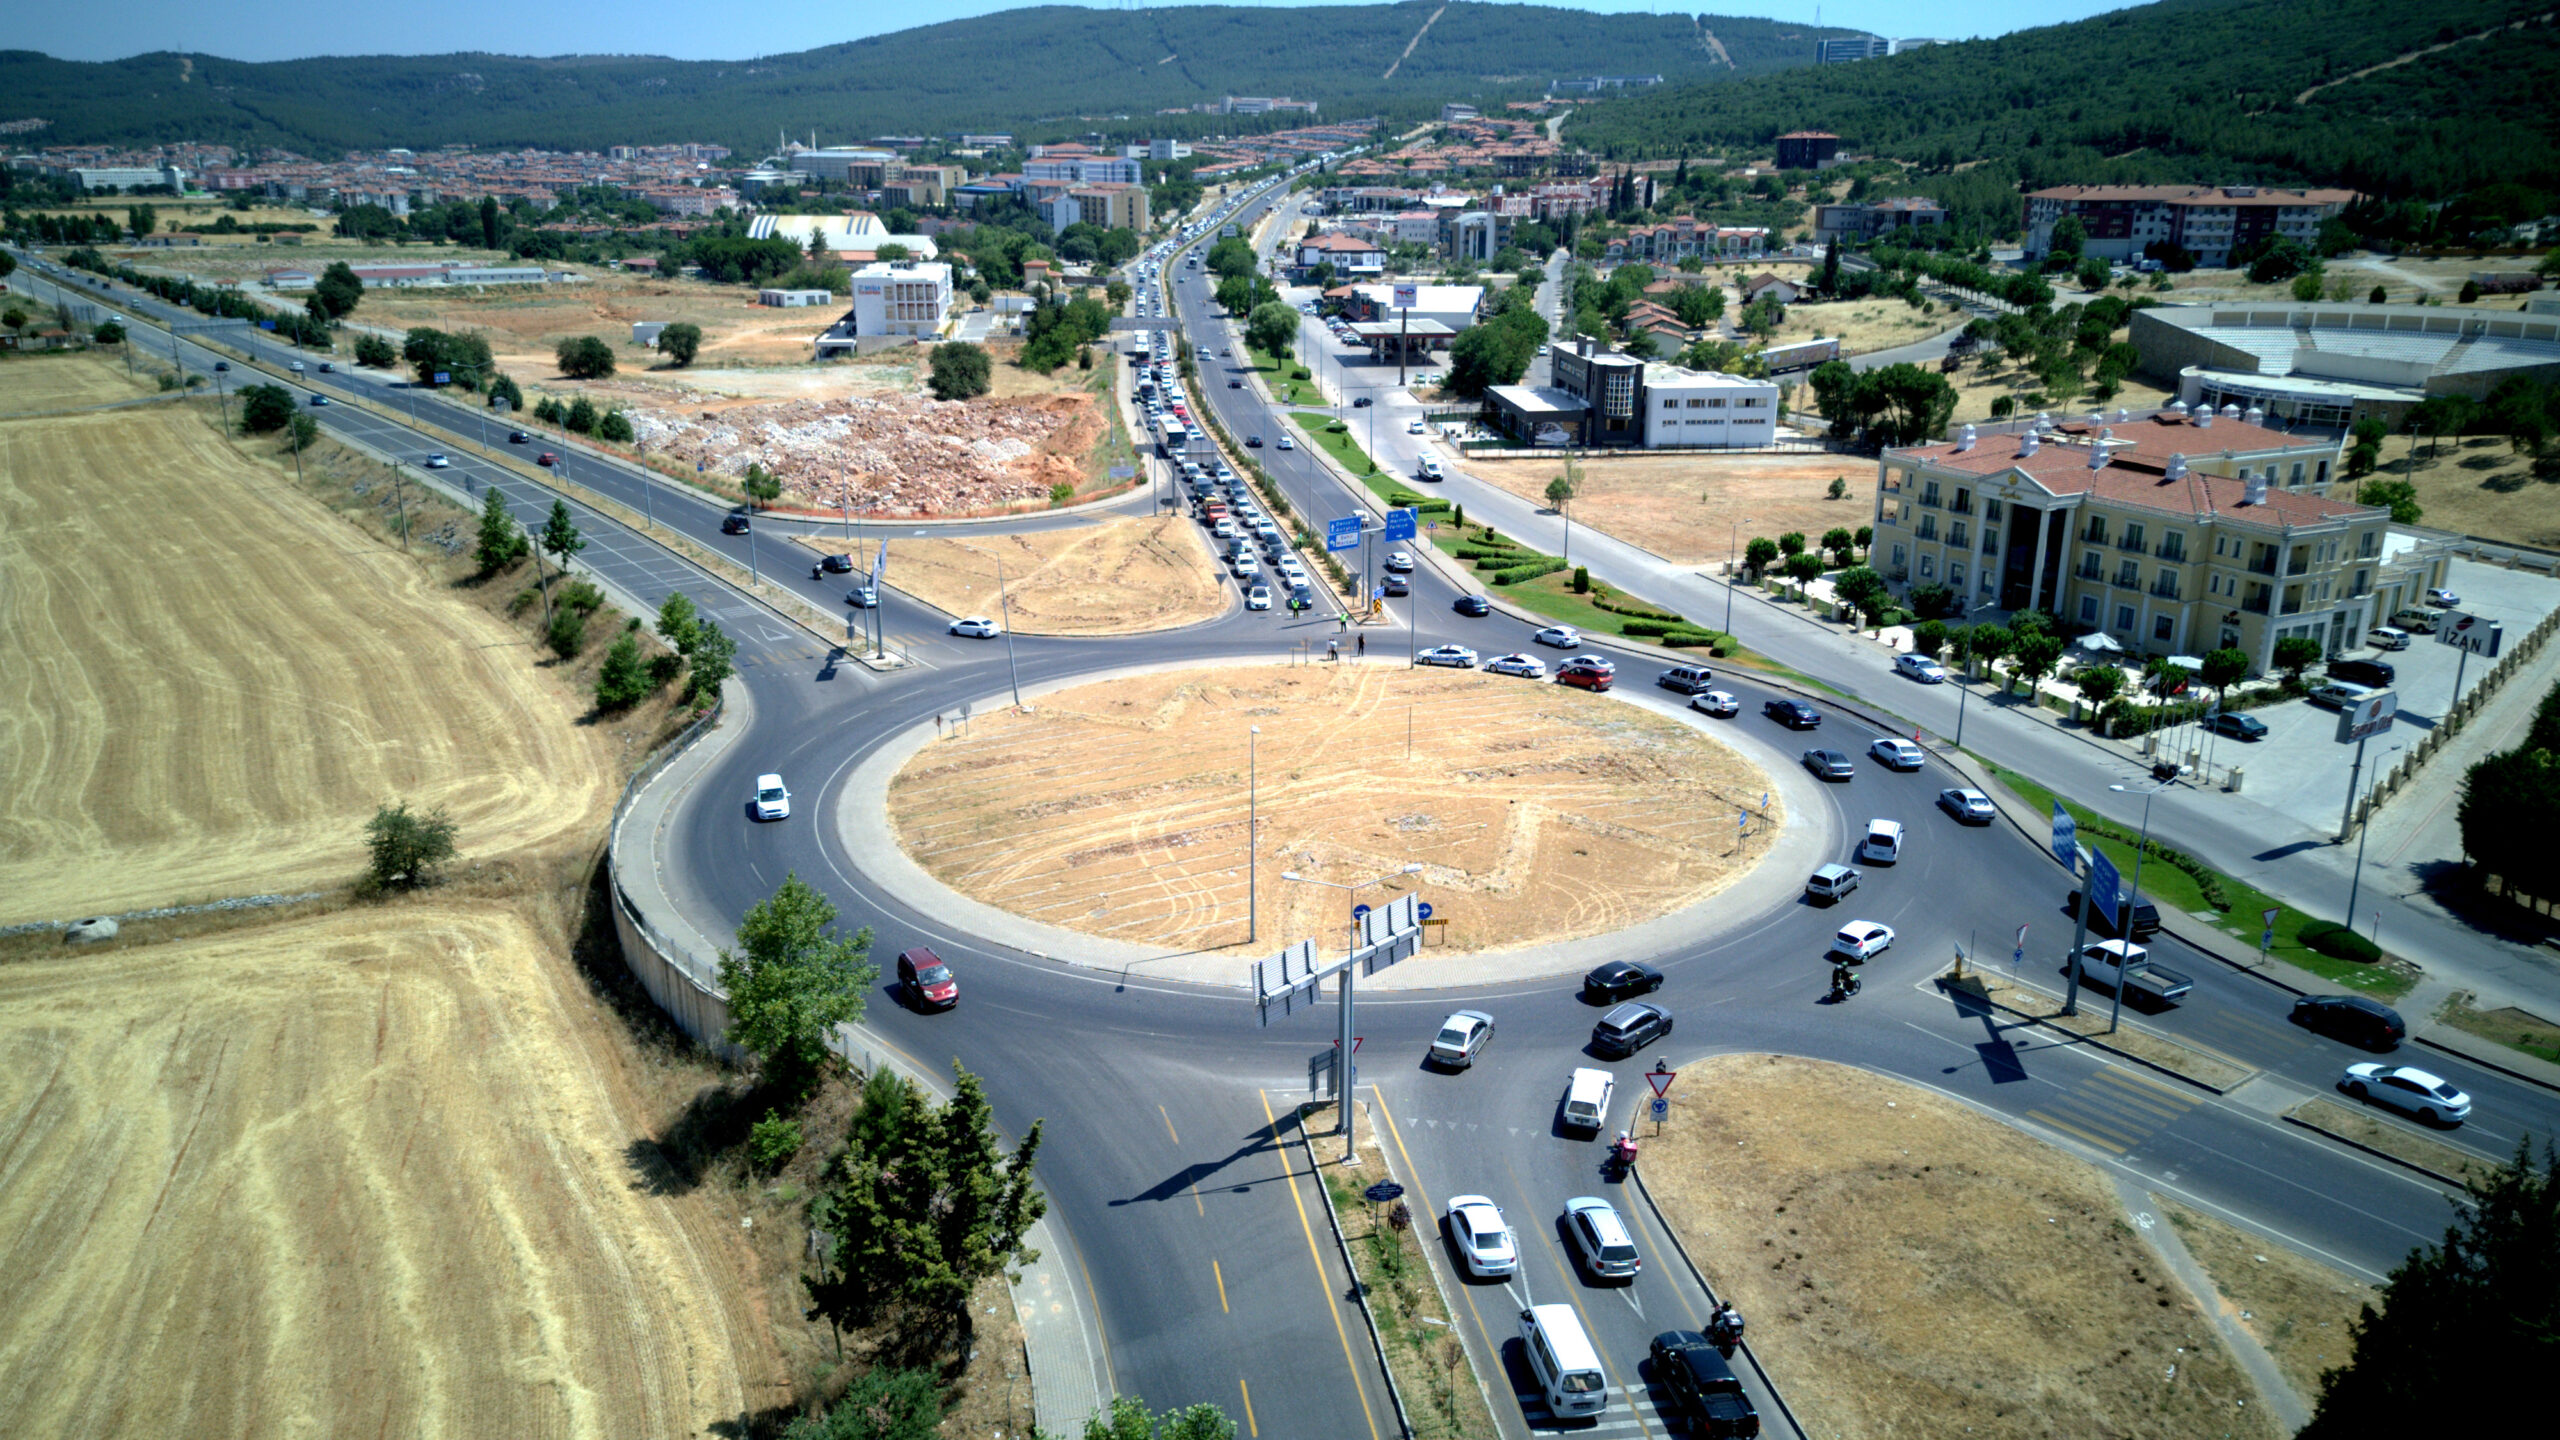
(901, 298)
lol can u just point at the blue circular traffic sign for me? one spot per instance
(1359, 910)
(1422, 910)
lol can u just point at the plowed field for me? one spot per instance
(1538, 813)
(208, 682)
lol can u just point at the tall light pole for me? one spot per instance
(1345, 1072)
(1252, 834)
(2133, 903)
(1004, 621)
(1732, 570)
(2356, 881)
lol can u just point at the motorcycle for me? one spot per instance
(1622, 1156)
(1725, 1327)
(1844, 983)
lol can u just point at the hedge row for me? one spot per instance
(1493, 552)
(2208, 883)
(1709, 639)
(2338, 942)
(1640, 612)
(1531, 571)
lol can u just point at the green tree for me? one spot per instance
(1804, 568)
(2470, 293)
(1760, 553)
(2295, 654)
(1929, 637)
(141, 220)
(616, 427)
(961, 371)
(14, 317)
(1792, 543)
(1559, 493)
(2034, 658)
(623, 681)
(338, 290)
(2223, 669)
(791, 983)
(502, 542)
(504, 390)
(489, 231)
(886, 1403)
(1839, 542)
(581, 419)
(2070, 233)
(1863, 588)
(301, 432)
(406, 849)
(1230, 257)
(1273, 329)
(584, 358)
(1987, 642)
(711, 661)
(2487, 1299)
(762, 488)
(2307, 285)
(2399, 496)
(109, 332)
(264, 409)
(677, 621)
(566, 631)
(2098, 684)
(680, 342)
(921, 1216)
(375, 352)
(560, 540)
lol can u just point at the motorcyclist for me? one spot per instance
(1844, 981)
(1725, 1325)
(1624, 1150)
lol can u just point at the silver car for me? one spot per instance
(1462, 1037)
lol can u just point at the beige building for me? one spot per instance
(2174, 532)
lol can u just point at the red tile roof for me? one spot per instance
(2137, 466)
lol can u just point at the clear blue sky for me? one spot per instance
(688, 29)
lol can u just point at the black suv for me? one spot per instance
(2377, 674)
(838, 564)
(2146, 917)
(1794, 714)
(734, 524)
(1629, 1028)
(1703, 1387)
(2351, 1018)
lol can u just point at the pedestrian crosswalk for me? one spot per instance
(1628, 1415)
(2114, 1108)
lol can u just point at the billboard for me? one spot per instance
(2369, 716)
(1408, 296)
(2470, 633)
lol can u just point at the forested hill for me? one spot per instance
(2183, 90)
(1007, 71)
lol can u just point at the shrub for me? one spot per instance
(1708, 638)
(772, 1141)
(581, 417)
(615, 426)
(2338, 942)
(1581, 579)
(1649, 627)
(406, 848)
(1061, 493)
(624, 681)
(1531, 571)
(581, 596)
(567, 634)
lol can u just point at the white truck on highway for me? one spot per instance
(2122, 964)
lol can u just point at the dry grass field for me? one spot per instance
(2479, 486)
(1117, 577)
(208, 682)
(526, 323)
(1976, 388)
(1539, 813)
(361, 1174)
(2298, 1309)
(33, 384)
(1683, 507)
(1915, 1268)
(1862, 326)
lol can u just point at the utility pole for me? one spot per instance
(1004, 620)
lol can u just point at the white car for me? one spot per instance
(1416, 428)
(1458, 655)
(1920, 668)
(2407, 1089)
(1716, 702)
(1399, 561)
(1285, 443)
(1462, 1037)
(1563, 637)
(772, 801)
(437, 462)
(1896, 754)
(1527, 667)
(1258, 598)
(1862, 940)
(976, 625)
(1971, 807)
(1483, 1241)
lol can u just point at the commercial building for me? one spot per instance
(1692, 408)
(1849, 48)
(1603, 399)
(907, 299)
(1808, 150)
(1451, 306)
(2208, 221)
(1168, 150)
(1869, 219)
(854, 238)
(1082, 169)
(2325, 366)
(125, 177)
(1113, 207)
(2175, 532)
(865, 169)
(1348, 254)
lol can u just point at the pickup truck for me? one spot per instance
(2114, 963)
(1688, 1365)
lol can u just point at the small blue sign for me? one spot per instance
(1661, 1107)
(1342, 534)
(444, 377)
(1400, 524)
(1422, 910)
(2066, 833)
(2106, 889)
(266, 324)
(1360, 912)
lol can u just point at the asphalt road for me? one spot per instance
(1159, 1098)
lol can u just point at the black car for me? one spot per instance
(319, 399)
(1475, 605)
(1253, 442)
(518, 437)
(735, 524)
(2375, 673)
(1794, 714)
(1621, 978)
(2237, 726)
(2146, 917)
(1362, 403)
(1235, 384)
(1702, 1386)
(1629, 1028)
(221, 365)
(2351, 1018)
(838, 564)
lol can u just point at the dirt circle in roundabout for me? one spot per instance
(1539, 813)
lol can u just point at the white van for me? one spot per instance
(1883, 845)
(1586, 1098)
(1560, 1355)
(1429, 469)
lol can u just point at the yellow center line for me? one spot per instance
(1222, 1285)
(1332, 1302)
(1168, 1125)
(1250, 1425)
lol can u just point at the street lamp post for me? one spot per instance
(2115, 1007)
(1732, 570)
(2355, 882)
(1346, 1074)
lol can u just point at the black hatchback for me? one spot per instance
(2351, 1018)
(1621, 978)
(2377, 674)
(735, 524)
(1475, 605)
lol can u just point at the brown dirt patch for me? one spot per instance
(1862, 325)
(1977, 387)
(1117, 577)
(1911, 1267)
(2478, 486)
(1683, 507)
(188, 714)
(2297, 1308)
(1540, 813)
(31, 384)
(358, 1174)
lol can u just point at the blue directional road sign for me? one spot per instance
(1359, 911)
(2106, 890)
(2066, 833)
(1400, 524)
(1342, 534)
(1661, 1107)
(1423, 910)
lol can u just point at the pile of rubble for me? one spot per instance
(895, 454)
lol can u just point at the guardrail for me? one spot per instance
(682, 983)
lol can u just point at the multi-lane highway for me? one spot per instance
(1194, 1231)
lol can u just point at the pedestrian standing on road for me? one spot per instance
(937, 724)
(1364, 647)
(1332, 651)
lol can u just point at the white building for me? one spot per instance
(1707, 407)
(1082, 169)
(844, 165)
(793, 299)
(856, 235)
(906, 298)
(1168, 150)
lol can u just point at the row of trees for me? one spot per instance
(2509, 802)
(305, 328)
(1899, 404)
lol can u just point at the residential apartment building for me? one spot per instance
(1085, 169)
(2175, 532)
(1686, 237)
(2208, 221)
(902, 298)
(866, 169)
(1868, 219)
(1808, 150)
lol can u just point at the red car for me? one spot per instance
(546, 459)
(929, 983)
(1584, 675)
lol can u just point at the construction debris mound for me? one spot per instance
(887, 454)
